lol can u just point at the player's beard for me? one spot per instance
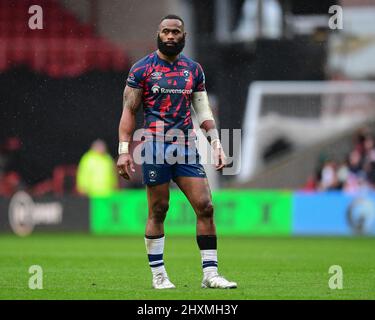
(169, 50)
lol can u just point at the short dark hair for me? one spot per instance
(172, 16)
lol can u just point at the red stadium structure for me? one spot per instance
(65, 47)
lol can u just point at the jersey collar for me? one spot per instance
(180, 55)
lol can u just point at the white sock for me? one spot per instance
(209, 262)
(155, 250)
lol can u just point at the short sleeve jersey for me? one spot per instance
(167, 92)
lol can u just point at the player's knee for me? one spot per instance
(159, 211)
(205, 209)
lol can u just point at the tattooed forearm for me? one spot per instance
(131, 103)
(132, 99)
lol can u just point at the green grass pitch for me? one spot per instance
(77, 266)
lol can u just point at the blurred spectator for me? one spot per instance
(370, 173)
(310, 185)
(355, 162)
(368, 150)
(369, 159)
(359, 139)
(97, 175)
(342, 175)
(329, 180)
(355, 174)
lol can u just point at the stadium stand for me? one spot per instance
(69, 59)
(351, 172)
(65, 47)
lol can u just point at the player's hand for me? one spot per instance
(219, 157)
(125, 165)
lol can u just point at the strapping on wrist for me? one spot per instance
(123, 147)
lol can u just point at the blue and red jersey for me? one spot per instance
(167, 92)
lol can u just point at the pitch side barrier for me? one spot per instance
(244, 213)
(23, 214)
(237, 213)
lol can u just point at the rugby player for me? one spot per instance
(168, 83)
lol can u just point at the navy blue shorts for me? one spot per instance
(166, 161)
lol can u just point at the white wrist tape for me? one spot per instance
(123, 147)
(202, 107)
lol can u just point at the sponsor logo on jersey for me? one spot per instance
(156, 89)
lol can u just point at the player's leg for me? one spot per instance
(158, 202)
(198, 193)
(156, 177)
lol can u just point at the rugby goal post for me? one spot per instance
(304, 111)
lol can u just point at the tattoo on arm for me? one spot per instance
(132, 99)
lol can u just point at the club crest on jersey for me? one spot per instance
(156, 75)
(155, 89)
(186, 73)
(152, 174)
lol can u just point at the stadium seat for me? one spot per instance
(3, 55)
(51, 49)
(9, 183)
(18, 54)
